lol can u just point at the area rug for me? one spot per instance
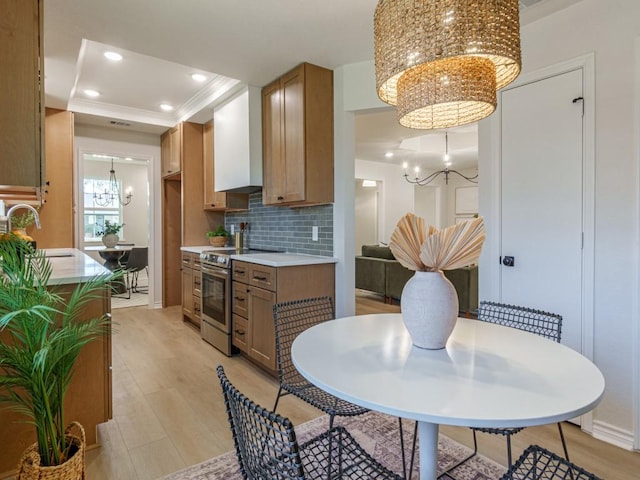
(378, 434)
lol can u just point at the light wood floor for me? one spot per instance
(169, 413)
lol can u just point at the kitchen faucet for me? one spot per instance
(5, 221)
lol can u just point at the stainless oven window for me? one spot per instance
(214, 297)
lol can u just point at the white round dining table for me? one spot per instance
(487, 375)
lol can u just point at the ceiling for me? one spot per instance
(163, 42)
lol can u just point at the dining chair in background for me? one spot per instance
(266, 445)
(544, 324)
(537, 463)
(290, 320)
(138, 260)
(125, 256)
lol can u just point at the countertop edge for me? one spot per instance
(281, 260)
(70, 265)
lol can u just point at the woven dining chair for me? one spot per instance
(537, 463)
(290, 320)
(267, 447)
(544, 324)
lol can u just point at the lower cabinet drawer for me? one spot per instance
(240, 300)
(240, 333)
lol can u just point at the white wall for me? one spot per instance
(608, 29)
(397, 196)
(121, 143)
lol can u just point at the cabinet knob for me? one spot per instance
(240, 332)
(280, 198)
(239, 299)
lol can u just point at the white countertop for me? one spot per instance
(283, 259)
(272, 259)
(200, 249)
(70, 265)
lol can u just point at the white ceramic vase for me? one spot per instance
(110, 240)
(429, 306)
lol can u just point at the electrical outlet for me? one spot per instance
(232, 229)
(314, 233)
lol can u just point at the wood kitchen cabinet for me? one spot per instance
(89, 398)
(184, 222)
(256, 289)
(22, 95)
(217, 201)
(171, 151)
(191, 291)
(297, 137)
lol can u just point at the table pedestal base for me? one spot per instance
(428, 435)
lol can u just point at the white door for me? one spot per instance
(366, 215)
(541, 198)
(426, 200)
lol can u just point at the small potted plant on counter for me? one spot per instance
(218, 237)
(21, 221)
(109, 233)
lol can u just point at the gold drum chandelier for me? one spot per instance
(442, 61)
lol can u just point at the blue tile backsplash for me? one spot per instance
(285, 229)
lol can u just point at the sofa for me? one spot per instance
(378, 271)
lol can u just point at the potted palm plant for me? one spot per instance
(41, 336)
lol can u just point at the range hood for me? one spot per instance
(237, 141)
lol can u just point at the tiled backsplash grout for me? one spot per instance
(285, 229)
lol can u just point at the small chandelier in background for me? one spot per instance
(441, 62)
(112, 192)
(430, 178)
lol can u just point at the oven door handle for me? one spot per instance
(215, 272)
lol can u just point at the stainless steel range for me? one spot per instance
(215, 327)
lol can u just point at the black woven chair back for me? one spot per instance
(291, 319)
(537, 463)
(545, 324)
(265, 442)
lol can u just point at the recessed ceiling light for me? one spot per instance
(166, 107)
(128, 158)
(198, 77)
(91, 93)
(115, 56)
(388, 154)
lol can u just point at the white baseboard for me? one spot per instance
(613, 435)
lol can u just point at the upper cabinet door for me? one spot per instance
(21, 95)
(212, 200)
(273, 185)
(171, 151)
(298, 137)
(294, 154)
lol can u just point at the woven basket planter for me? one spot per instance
(218, 241)
(72, 469)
